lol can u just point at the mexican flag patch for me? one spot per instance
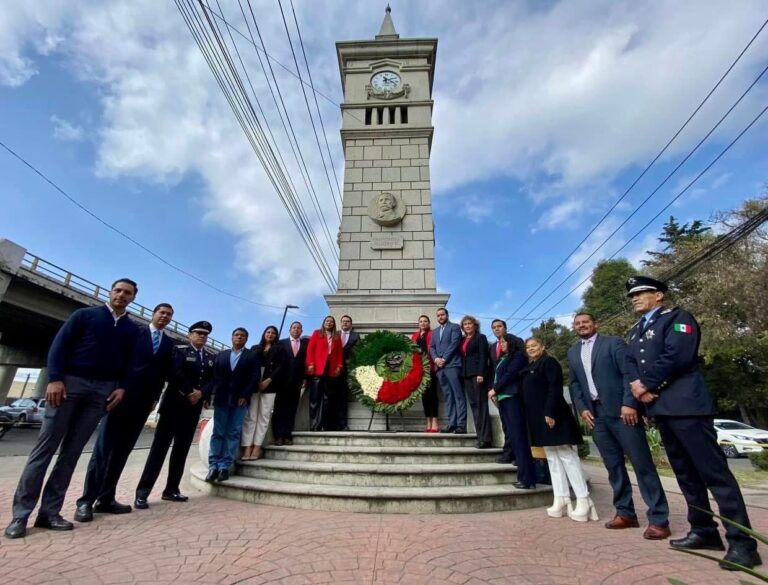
(683, 328)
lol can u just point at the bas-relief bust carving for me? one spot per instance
(386, 209)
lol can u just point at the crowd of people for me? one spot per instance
(102, 366)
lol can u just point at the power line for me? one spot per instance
(652, 193)
(121, 233)
(647, 168)
(663, 209)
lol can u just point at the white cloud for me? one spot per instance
(66, 131)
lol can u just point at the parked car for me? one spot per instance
(6, 423)
(26, 410)
(737, 439)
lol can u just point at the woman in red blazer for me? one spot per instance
(325, 360)
(423, 338)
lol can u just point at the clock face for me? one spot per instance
(386, 81)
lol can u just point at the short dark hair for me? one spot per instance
(586, 314)
(160, 306)
(443, 309)
(502, 321)
(126, 281)
(243, 329)
(296, 323)
(347, 316)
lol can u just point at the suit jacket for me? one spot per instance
(447, 347)
(354, 337)
(506, 375)
(274, 364)
(664, 356)
(294, 365)
(475, 361)
(149, 371)
(189, 372)
(229, 385)
(608, 372)
(317, 354)
(519, 346)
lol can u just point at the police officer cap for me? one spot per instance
(202, 327)
(637, 284)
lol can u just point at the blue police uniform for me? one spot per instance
(662, 352)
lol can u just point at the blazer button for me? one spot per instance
(642, 350)
(642, 361)
(641, 340)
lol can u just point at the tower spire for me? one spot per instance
(387, 30)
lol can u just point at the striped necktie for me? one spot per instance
(156, 340)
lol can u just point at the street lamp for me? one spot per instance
(283, 321)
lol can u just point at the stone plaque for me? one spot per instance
(387, 242)
(386, 209)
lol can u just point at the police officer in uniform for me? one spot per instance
(662, 361)
(179, 411)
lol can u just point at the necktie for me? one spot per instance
(295, 344)
(498, 349)
(201, 354)
(155, 341)
(346, 337)
(441, 332)
(643, 321)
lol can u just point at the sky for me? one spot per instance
(545, 113)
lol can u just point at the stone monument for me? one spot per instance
(386, 239)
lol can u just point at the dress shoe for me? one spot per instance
(280, 442)
(621, 522)
(176, 497)
(288, 442)
(460, 431)
(584, 510)
(560, 507)
(113, 507)
(84, 513)
(17, 528)
(55, 522)
(140, 503)
(693, 541)
(448, 429)
(223, 474)
(656, 532)
(213, 475)
(485, 445)
(742, 556)
(524, 486)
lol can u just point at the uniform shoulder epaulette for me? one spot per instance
(665, 311)
(182, 346)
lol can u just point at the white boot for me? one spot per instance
(561, 506)
(585, 510)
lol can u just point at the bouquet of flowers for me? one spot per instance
(387, 372)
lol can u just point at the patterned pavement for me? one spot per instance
(214, 541)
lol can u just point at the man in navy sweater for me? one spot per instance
(88, 365)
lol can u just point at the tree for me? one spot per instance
(557, 339)
(606, 299)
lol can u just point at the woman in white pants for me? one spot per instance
(553, 426)
(256, 423)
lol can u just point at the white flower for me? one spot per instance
(369, 380)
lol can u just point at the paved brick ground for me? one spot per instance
(213, 541)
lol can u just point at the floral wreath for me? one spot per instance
(386, 372)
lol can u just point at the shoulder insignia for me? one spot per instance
(665, 311)
(182, 346)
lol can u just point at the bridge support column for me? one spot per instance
(40, 385)
(7, 373)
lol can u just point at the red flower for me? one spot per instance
(394, 392)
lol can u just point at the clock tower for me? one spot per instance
(386, 239)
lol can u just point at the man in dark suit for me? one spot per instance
(287, 399)
(120, 429)
(444, 349)
(236, 376)
(600, 392)
(191, 375)
(340, 404)
(663, 367)
(516, 348)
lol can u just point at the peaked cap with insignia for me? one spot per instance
(639, 283)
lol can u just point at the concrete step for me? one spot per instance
(381, 455)
(371, 475)
(384, 439)
(373, 499)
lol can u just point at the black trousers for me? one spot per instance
(515, 426)
(319, 390)
(68, 425)
(337, 391)
(615, 440)
(477, 394)
(176, 428)
(284, 415)
(700, 465)
(429, 398)
(117, 437)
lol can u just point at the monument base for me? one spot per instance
(394, 312)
